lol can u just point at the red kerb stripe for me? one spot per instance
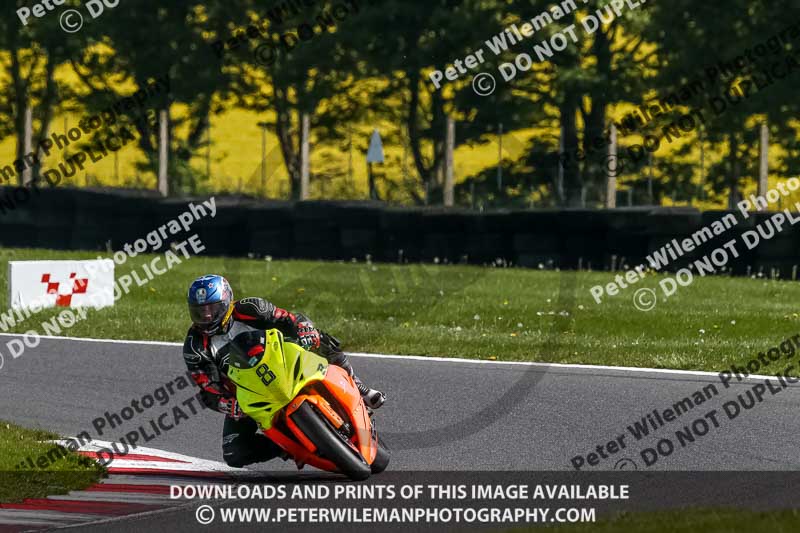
(124, 487)
(134, 457)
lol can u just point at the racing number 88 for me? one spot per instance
(266, 375)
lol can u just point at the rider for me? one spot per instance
(206, 351)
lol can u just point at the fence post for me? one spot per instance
(163, 141)
(448, 176)
(305, 165)
(611, 183)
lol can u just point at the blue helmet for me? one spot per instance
(210, 302)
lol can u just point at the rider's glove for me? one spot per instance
(308, 335)
(230, 407)
(209, 399)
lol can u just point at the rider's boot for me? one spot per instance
(373, 398)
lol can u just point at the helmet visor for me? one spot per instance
(208, 315)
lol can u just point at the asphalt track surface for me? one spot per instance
(441, 415)
(442, 418)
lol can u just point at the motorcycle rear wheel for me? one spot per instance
(330, 444)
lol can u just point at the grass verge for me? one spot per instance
(473, 312)
(59, 470)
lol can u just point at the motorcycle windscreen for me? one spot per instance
(273, 381)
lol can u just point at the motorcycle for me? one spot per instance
(311, 409)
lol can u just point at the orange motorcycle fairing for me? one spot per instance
(341, 386)
(344, 389)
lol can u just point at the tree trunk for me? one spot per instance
(414, 136)
(289, 149)
(594, 170)
(428, 173)
(46, 106)
(20, 103)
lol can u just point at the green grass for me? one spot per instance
(689, 521)
(57, 473)
(473, 312)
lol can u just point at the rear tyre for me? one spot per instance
(381, 458)
(330, 443)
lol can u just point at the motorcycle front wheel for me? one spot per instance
(330, 444)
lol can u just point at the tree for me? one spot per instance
(734, 103)
(33, 52)
(578, 85)
(151, 40)
(290, 69)
(415, 42)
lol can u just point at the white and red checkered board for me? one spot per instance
(61, 283)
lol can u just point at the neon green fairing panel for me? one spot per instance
(284, 369)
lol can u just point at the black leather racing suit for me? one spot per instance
(206, 356)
